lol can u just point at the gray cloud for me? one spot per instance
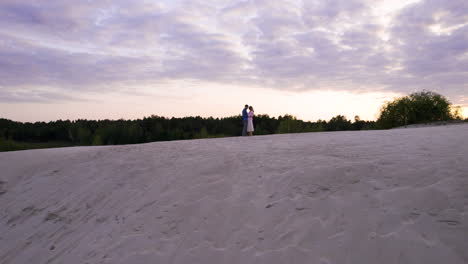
(29, 64)
(290, 45)
(35, 96)
(434, 60)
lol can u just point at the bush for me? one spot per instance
(9, 145)
(416, 108)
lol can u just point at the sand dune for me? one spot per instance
(395, 196)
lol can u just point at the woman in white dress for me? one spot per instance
(250, 126)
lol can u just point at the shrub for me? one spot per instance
(419, 107)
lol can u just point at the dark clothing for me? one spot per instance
(244, 130)
(245, 115)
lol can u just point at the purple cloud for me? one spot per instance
(288, 45)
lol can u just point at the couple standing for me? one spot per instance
(248, 121)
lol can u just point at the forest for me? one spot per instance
(18, 135)
(419, 107)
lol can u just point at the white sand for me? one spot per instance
(395, 196)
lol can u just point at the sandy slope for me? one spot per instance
(396, 196)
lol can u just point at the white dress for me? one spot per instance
(250, 126)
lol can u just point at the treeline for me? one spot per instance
(18, 135)
(419, 107)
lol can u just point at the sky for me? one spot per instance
(314, 59)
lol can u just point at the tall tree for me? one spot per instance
(419, 107)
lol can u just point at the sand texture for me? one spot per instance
(365, 197)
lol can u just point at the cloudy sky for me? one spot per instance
(62, 59)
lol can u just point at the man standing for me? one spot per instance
(245, 118)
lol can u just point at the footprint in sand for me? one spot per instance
(311, 190)
(23, 215)
(2, 187)
(449, 222)
(56, 218)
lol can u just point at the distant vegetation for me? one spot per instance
(17, 135)
(416, 108)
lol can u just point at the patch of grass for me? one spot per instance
(11, 145)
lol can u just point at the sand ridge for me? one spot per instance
(394, 196)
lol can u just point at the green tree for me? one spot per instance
(84, 136)
(97, 140)
(202, 134)
(339, 123)
(419, 107)
(289, 124)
